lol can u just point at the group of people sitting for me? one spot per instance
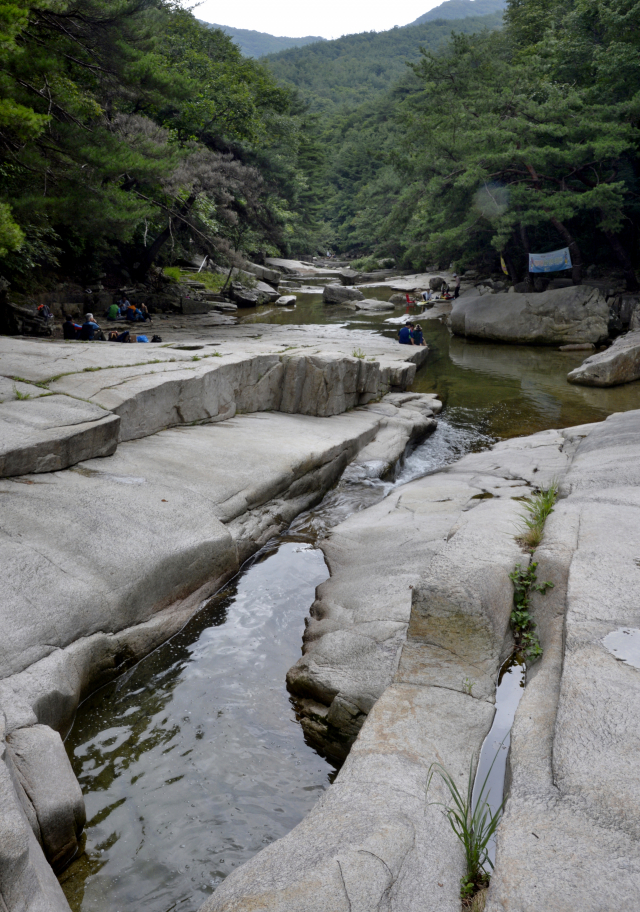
(411, 334)
(124, 310)
(90, 331)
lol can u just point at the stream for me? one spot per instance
(193, 761)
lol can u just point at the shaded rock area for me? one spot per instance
(618, 364)
(563, 315)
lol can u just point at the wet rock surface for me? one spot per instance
(564, 315)
(618, 364)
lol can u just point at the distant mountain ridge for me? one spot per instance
(461, 9)
(258, 44)
(356, 68)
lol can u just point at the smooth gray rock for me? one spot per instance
(286, 301)
(27, 882)
(372, 305)
(339, 294)
(576, 314)
(52, 433)
(618, 364)
(569, 836)
(49, 783)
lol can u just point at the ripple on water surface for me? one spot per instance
(193, 761)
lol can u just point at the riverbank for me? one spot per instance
(374, 838)
(109, 554)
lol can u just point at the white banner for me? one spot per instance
(550, 262)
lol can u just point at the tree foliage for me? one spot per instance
(126, 124)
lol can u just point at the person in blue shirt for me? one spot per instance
(88, 329)
(405, 334)
(416, 335)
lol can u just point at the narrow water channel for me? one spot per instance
(193, 761)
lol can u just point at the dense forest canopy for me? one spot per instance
(126, 128)
(131, 134)
(500, 142)
(357, 68)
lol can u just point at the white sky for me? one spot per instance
(328, 18)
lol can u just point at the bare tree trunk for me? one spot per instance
(574, 250)
(152, 252)
(524, 237)
(624, 259)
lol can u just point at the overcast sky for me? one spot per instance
(328, 19)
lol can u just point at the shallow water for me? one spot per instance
(193, 761)
(492, 763)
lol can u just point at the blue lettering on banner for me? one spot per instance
(550, 262)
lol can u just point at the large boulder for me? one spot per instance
(339, 294)
(576, 314)
(436, 283)
(618, 364)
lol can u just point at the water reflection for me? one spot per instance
(193, 761)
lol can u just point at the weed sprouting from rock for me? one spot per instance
(473, 825)
(358, 353)
(524, 581)
(538, 508)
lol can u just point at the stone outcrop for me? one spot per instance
(565, 315)
(372, 305)
(433, 560)
(106, 394)
(374, 841)
(575, 780)
(340, 294)
(53, 432)
(618, 364)
(72, 619)
(378, 557)
(286, 301)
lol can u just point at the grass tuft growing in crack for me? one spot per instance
(473, 825)
(538, 509)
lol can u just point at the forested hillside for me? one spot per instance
(495, 143)
(461, 9)
(130, 133)
(357, 68)
(259, 44)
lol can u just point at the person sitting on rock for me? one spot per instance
(113, 312)
(70, 329)
(130, 313)
(416, 335)
(123, 303)
(88, 329)
(404, 334)
(143, 309)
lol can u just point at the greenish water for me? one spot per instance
(193, 761)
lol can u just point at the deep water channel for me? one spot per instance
(193, 761)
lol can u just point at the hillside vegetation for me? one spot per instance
(461, 9)
(493, 143)
(131, 135)
(259, 44)
(357, 68)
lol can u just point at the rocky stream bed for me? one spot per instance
(236, 470)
